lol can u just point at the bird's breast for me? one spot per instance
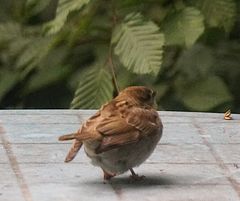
(121, 159)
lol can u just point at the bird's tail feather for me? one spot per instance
(71, 136)
(76, 145)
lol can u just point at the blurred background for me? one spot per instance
(64, 54)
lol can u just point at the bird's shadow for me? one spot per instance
(126, 181)
(147, 181)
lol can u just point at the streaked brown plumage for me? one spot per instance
(122, 134)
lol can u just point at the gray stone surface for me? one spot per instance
(30, 133)
(10, 192)
(230, 153)
(198, 159)
(224, 133)
(9, 189)
(3, 157)
(234, 171)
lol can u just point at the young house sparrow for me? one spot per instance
(122, 134)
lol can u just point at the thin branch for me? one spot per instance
(111, 65)
(110, 59)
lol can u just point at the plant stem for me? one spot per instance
(110, 60)
(111, 65)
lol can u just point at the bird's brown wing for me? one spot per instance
(145, 120)
(118, 130)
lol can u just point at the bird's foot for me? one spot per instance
(107, 176)
(136, 177)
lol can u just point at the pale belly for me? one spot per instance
(120, 160)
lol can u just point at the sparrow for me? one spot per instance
(121, 135)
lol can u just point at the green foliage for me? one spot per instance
(37, 49)
(7, 81)
(188, 51)
(139, 44)
(36, 6)
(196, 62)
(45, 78)
(9, 31)
(95, 88)
(65, 7)
(219, 13)
(203, 95)
(184, 27)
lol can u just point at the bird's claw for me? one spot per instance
(136, 177)
(107, 176)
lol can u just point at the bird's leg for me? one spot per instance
(107, 176)
(135, 176)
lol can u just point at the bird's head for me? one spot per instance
(139, 95)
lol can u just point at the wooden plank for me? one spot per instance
(48, 133)
(178, 174)
(88, 180)
(53, 112)
(42, 119)
(9, 189)
(77, 116)
(7, 177)
(3, 157)
(176, 192)
(224, 133)
(234, 169)
(44, 153)
(229, 153)
(176, 134)
(38, 133)
(55, 153)
(10, 192)
(197, 159)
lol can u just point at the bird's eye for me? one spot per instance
(148, 96)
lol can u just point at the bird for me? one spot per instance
(121, 135)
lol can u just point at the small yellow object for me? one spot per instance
(227, 115)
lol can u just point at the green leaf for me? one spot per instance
(34, 53)
(206, 94)
(227, 62)
(183, 27)
(46, 77)
(139, 44)
(195, 62)
(161, 89)
(219, 13)
(18, 45)
(9, 31)
(7, 81)
(65, 7)
(36, 6)
(95, 88)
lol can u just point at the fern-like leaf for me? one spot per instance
(206, 94)
(219, 13)
(34, 53)
(95, 88)
(36, 6)
(139, 44)
(65, 7)
(184, 27)
(9, 31)
(8, 80)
